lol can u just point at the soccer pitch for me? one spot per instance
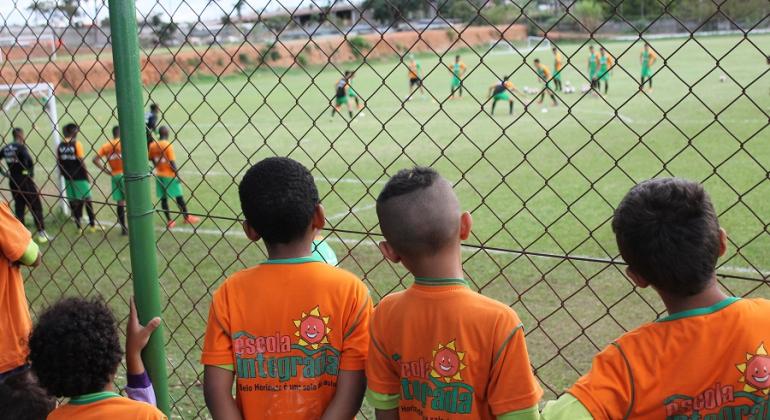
(539, 185)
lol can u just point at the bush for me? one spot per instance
(244, 59)
(301, 59)
(274, 55)
(451, 34)
(359, 45)
(193, 61)
(220, 62)
(501, 14)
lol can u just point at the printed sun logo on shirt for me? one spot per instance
(275, 356)
(728, 401)
(312, 329)
(438, 383)
(756, 371)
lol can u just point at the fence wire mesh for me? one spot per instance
(239, 81)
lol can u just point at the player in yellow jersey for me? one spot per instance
(544, 76)
(415, 76)
(458, 71)
(558, 66)
(647, 58)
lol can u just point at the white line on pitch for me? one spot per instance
(354, 210)
(321, 179)
(372, 243)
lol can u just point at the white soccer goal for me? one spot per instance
(14, 97)
(28, 46)
(520, 47)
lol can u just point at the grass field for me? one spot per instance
(539, 185)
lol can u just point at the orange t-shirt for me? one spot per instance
(162, 154)
(15, 323)
(111, 152)
(288, 327)
(449, 351)
(557, 62)
(106, 405)
(709, 361)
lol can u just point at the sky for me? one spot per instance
(14, 12)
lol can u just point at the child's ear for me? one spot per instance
(638, 280)
(388, 252)
(250, 232)
(466, 223)
(319, 217)
(722, 242)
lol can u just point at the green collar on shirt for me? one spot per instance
(431, 281)
(298, 260)
(700, 311)
(92, 398)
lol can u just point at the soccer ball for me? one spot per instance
(361, 114)
(722, 78)
(544, 110)
(585, 88)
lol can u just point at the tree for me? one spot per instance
(589, 12)
(42, 8)
(69, 8)
(163, 30)
(392, 11)
(462, 10)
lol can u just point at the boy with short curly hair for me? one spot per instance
(292, 332)
(75, 353)
(708, 358)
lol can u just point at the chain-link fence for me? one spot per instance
(540, 167)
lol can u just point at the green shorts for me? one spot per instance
(456, 82)
(502, 96)
(646, 72)
(592, 75)
(77, 189)
(557, 75)
(605, 75)
(166, 187)
(118, 188)
(341, 100)
(351, 93)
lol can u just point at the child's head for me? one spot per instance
(115, 131)
(163, 132)
(18, 135)
(591, 48)
(457, 59)
(668, 233)
(420, 216)
(280, 201)
(537, 62)
(70, 130)
(154, 108)
(21, 398)
(75, 349)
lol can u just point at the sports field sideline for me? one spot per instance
(539, 185)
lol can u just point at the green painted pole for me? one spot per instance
(141, 234)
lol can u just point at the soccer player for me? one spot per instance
(16, 248)
(341, 95)
(70, 157)
(167, 183)
(458, 71)
(708, 357)
(75, 353)
(558, 65)
(293, 331)
(20, 172)
(593, 64)
(605, 66)
(151, 119)
(110, 152)
(352, 93)
(647, 58)
(440, 349)
(501, 91)
(415, 76)
(544, 76)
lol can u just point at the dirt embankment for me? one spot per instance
(82, 76)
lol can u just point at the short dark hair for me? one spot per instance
(70, 130)
(154, 108)
(668, 233)
(278, 197)
(115, 131)
(418, 211)
(537, 61)
(16, 132)
(75, 349)
(21, 398)
(163, 132)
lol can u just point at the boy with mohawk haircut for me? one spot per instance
(292, 332)
(428, 358)
(708, 357)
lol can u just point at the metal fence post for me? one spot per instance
(128, 86)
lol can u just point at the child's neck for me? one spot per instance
(708, 297)
(296, 249)
(442, 265)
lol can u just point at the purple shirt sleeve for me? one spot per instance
(139, 388)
